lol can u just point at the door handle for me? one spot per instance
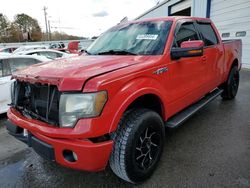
(204, 58)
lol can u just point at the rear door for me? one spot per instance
(5, 83)
(188, 75)
(213, 54)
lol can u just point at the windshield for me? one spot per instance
(144, 38)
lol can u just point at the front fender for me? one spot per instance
(129, 93)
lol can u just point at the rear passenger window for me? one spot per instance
(186, 32)
(208, 34)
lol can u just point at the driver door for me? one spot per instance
(187, 74)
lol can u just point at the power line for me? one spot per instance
(57, 27)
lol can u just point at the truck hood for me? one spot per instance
(70, 74)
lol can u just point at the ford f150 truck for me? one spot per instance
(113, 104)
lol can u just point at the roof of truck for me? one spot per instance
(170, 18)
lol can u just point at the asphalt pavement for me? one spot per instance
(212, 149)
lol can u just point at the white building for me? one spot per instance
(232, 17)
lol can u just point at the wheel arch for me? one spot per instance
(150, 101)
(235, 63)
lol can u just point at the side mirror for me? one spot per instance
(188, 49)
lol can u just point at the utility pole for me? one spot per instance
(49, 30)
(46, 23)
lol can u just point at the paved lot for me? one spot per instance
(212, 149)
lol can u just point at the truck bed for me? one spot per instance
(232, 49)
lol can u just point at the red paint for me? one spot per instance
(125, 78)
(73, 47)
(192, 44)
(91, 156)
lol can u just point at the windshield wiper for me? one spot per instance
(116, 52)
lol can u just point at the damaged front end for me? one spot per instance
(36, 101)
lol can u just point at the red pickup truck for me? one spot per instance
(113, 104)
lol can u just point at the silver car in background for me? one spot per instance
(28, 48)
(48, 53)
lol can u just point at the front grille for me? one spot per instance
(37, 101)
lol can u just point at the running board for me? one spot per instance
(182, 116)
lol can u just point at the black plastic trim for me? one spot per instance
(177, 53)
(188, 112)
(43, 149)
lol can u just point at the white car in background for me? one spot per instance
(9, 49)
(29, 47)
(11, 64)
(48, 53)
(4, 54)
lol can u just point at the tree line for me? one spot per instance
(24, 28)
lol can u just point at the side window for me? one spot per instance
(1, 68)
(6, 68)
(50, 55)
(20, 63)
(59, 55)
(208, 34)
(186, 32)
(53, 55)
(33, 53)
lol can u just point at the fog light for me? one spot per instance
(70, 156)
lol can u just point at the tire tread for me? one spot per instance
(121, 138)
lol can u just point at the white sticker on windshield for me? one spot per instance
(146, 37)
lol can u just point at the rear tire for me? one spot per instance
(138, 145)
(231, 86)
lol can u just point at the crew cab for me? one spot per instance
(113, 104)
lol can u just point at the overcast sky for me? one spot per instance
(78, 17)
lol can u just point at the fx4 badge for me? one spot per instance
(161, 70)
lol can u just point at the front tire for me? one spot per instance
(138, 145)
(231, 86)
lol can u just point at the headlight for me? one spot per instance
(83, 105)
